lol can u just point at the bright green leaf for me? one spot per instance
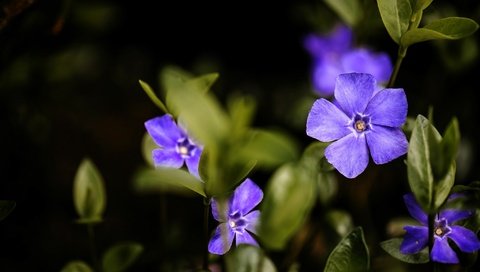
(451, 28)
(349, 10)
(396, 15)
(420, 5)
(204, 82)
(351, 254)
(151, 94)
(76, 266)
(392, 246)
(121, 256)
(89, 193)
(246, 258)
(6, 207)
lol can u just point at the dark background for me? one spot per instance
(69, 74)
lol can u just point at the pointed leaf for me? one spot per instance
(204, 82)
(351, 254)
(6, 207)
(121, 256)
(447, 150)
(443, 185)
(395, 16)
(349, 10)
(151, 94)
(76, 266)
(246, 258)
(420, 5)
(392, 247)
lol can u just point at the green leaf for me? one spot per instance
(289, 197)
(447, 150)
(451, 28)
(349, 10)
(241, 110)
(442, 187)
(151, 94)
(76, 266)
(204, 82)
(396, 16)
(392, 246)
(89, 193)
(246, 258)
(148, 145)
(121, 256)
(6, 207)
(351, 254)
(420, 5)
(341, 222)
(156, 180)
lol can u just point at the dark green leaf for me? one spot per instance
(396, 16)
(89, 193)
(349, 10)
(76, 266)
(451, 28)
(121, 256)
(246, 258)
(442, 187)
(448, 150)
(392, 246)
(351, 254)
(6, 207)
(151, 94)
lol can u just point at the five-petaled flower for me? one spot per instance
(360, 121)
(237, 219)
(416, 237)
(334, 54)
(176, 147)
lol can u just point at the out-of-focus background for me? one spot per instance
(69, 89)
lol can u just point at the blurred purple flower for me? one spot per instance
(334, 54)
(360, 122)
(416, 237)
(176, 147)
(237, 220)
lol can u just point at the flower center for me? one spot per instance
(237, 222)
(361, 123)
(185, 147)
(441, 228)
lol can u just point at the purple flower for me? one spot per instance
(334, 54)
(237, 220)
(176, 147)
(416, 237)
(360, 122)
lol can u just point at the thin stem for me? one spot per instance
(93, 249)
(402, 52)
(206, 217)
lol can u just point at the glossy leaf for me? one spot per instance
(246, 258)
(392, 247)
(351, 254)
(89, 193)
(151, 94)
(451, 28)
(121, 256)
(396, 16)
(349, 10)
(289, 197)
(76, 266)
(6, 207)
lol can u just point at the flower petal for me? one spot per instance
(465, 239)
(415, 239)
(442, 252)
(353, 92)
(163, 130)
(222, 240)
(388, 108)
(167, 158)
(217, 215)
(349, 155)
(363, 60)
(245, 197)
(386, 144)
(193, 161)
(252, 221)
(414, 209)
(325, 122)
(453, 215)
(337, 41)
(324, 75)
(245, 238)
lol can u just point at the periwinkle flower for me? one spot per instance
(176, 147)
(334, 54)
(237, 220)
(416, 237)
(359, 122)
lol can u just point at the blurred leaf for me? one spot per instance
(246, 258)
(76, 266)
(121, 256)
(241, 110)
(395, 16)
(341, 222)
(156, 180)
(408, 126)
(89, 193)
(327, 186)
(6, 207)
(203, 82)
(172, 77)
(151, 94)
(420, 5)
(451, 28)
(148, 145)
(349, 10)
(392, 246)
(351, 254)
(289, 197)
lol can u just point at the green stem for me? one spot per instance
(206, 217)
(93, 249)
(402, 52)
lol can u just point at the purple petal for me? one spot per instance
(245, 238)
(326, 122)
(349, 155)
(386, 144)
(414, 209)
(415, 239)
(245, 197)
(163, 130)
(442, 252)
(353, 92)
(453, 216)
(193, 161)
(363, 60)
(465, 239)
(324, 75)
(222, 240)
(252, 221)
(388, 108)
(337, 41)
(167, 158)
(217, 215)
